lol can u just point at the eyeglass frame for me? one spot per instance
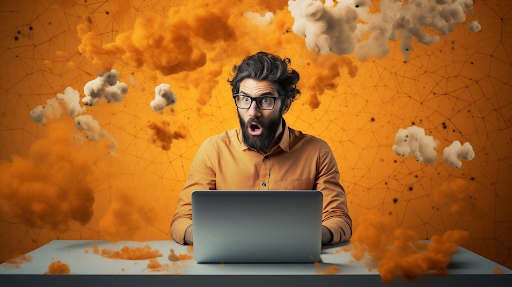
(254, 99)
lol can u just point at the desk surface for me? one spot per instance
(464, 266)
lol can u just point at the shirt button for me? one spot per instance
(264, 184)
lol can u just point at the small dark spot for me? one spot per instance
(308, 64)
(416, 176)
(469, 111)
(49, 23)
(413, 123)
(107, 13)
(406, 136)
(19, 32)
(390, 213)
(453, 130)
(444, 127)
(373, 119)
(386, 183)
(471, 63)
(16, 38)
(395, 200)
(406, 49)
(453, 48)
(472, 178)
(433, 207)
(357, 6)
(470, 197)
(410, 188)
(453, 42)
(441, 51)
(30, 28)
(405, 62)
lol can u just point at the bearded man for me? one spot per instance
(264, 153)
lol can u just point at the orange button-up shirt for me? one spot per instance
(299, 162)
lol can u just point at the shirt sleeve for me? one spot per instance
(202, 176)
(335, 211)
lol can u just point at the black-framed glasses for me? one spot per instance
(243, 101)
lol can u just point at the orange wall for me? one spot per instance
(464, 81)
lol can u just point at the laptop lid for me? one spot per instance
(257, 226)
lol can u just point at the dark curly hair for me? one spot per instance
(265, 66)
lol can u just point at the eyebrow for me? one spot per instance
(262, 95)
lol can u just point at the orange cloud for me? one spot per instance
(398, 250)
(129, 211)
(131, 253)
(162, 133)
(52, 187)
(58, 267)
(460, 196)
(170, 45)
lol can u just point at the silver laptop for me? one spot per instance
(257, 226)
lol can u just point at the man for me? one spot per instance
(264, 153)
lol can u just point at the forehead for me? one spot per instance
(255, 87)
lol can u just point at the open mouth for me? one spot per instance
(255, 129)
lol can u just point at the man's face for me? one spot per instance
(259, 127)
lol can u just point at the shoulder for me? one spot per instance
(301, 140)
(223, 139)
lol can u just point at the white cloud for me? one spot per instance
(474, 26)
(414, 141)
(164, 97)
(256, 18)
(335, 30)
(93, 132)
(99, 88)
(456, 151)
(71, 98)
(39, 113)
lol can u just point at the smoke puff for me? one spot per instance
(93, 132)
(48, 65)
(325, 30)
(129, 211)
(474, 26)
(71, 98)
(460, 196)
(99, 88)
(161, 134)
(164, 97)
(456, 151)
(256, 18)
(39, 113)
(398, 250)
(57, 267)
(414, 141)
(170, 45)
(51, 187)
(335, 30)
(61, 55)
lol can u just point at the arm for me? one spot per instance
(335, 216)
(201, 177)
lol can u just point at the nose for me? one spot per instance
(253, 111)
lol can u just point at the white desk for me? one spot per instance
(90, 269)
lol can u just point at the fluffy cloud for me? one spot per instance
(260, 20)
(162, 132)
(456, 151)
(474, 26)
(52, 187)
(398, 251)
(336, 29)
(460, 195)
(99, 89)
(39, 113)
(164, 97)
(414, 141)
(170, 45)
(93, 132)
(71, 98)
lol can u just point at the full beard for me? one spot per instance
(263, 141)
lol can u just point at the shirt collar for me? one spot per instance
(284, 143)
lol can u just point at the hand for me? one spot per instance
(326, 235)
(189, 233)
